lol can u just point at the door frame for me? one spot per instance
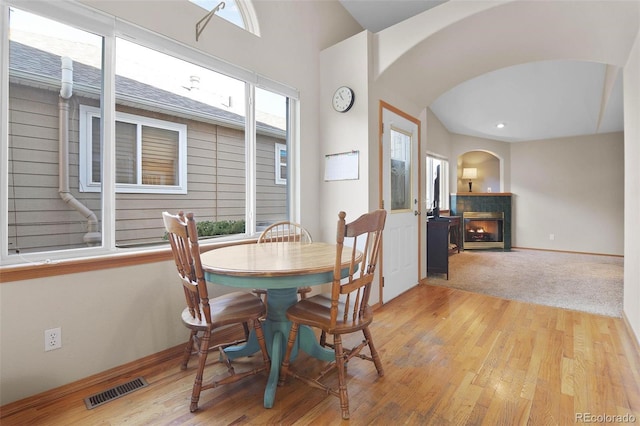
(381, 107)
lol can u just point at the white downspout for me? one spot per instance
(92, 237)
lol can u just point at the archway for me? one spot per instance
(489, 172)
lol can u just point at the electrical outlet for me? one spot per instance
(52, 339)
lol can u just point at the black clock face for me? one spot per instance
(343, 99)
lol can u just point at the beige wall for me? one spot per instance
(579, 178)
(572, 188)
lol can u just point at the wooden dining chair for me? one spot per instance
(347, 309)
(284, 231)
(203, 314)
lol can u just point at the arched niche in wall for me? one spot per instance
(488, 172)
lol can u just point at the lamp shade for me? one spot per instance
(470, 173)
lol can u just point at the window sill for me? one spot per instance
(71, 266)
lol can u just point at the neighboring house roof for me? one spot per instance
(43, 69)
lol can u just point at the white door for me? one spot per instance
(400, 174)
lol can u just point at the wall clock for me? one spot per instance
(343, 99)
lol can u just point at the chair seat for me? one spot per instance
(315, 311)
(230, 308)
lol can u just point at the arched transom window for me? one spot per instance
(238, 12)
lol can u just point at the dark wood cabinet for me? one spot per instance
(438, 246)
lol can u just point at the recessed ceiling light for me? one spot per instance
(500, 125)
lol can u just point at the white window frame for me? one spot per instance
(280, 180)
(86, 153)
(444, 182)
(84, 17)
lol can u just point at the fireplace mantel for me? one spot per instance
(482, 194)
(484, 202)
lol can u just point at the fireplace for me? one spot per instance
(483, 230)
(484, 202)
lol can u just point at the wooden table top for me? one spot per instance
(260, 261)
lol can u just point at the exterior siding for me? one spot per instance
(39, 220)
(271, 198)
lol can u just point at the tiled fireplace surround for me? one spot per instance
(485, 202)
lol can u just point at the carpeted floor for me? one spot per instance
(582, 282)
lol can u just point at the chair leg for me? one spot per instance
(188, 349)
(257, 326)
(284, 368)
(374, 352)
(203, 351)
(342, 381)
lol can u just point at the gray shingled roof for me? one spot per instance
(44, 67)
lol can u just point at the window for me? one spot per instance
(150, 154)
(238, 12)
(90, 169)
(273, 129)
(45, 210)
(432, 163)
(281, 164)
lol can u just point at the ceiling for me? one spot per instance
(534, 101)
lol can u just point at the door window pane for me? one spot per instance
(400, 170)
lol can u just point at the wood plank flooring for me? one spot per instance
(450, 357)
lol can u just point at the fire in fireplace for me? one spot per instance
(483, 230)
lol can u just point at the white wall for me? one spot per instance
(344, 64)
(108, 318)
(438, 140)
(572, 188)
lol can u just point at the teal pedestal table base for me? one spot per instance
(276, 332)
(281, 294)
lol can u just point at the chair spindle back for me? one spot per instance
(355, 289)
(285, 231)
(183, 237)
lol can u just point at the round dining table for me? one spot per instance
(280, 268)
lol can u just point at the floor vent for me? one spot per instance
(114, 393)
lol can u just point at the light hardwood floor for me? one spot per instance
(450, 357)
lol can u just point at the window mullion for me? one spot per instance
(293, 163)
(139, 154)
(108, 133)
(250, 159)
(4, 136)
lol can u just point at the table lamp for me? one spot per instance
(470, 173)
